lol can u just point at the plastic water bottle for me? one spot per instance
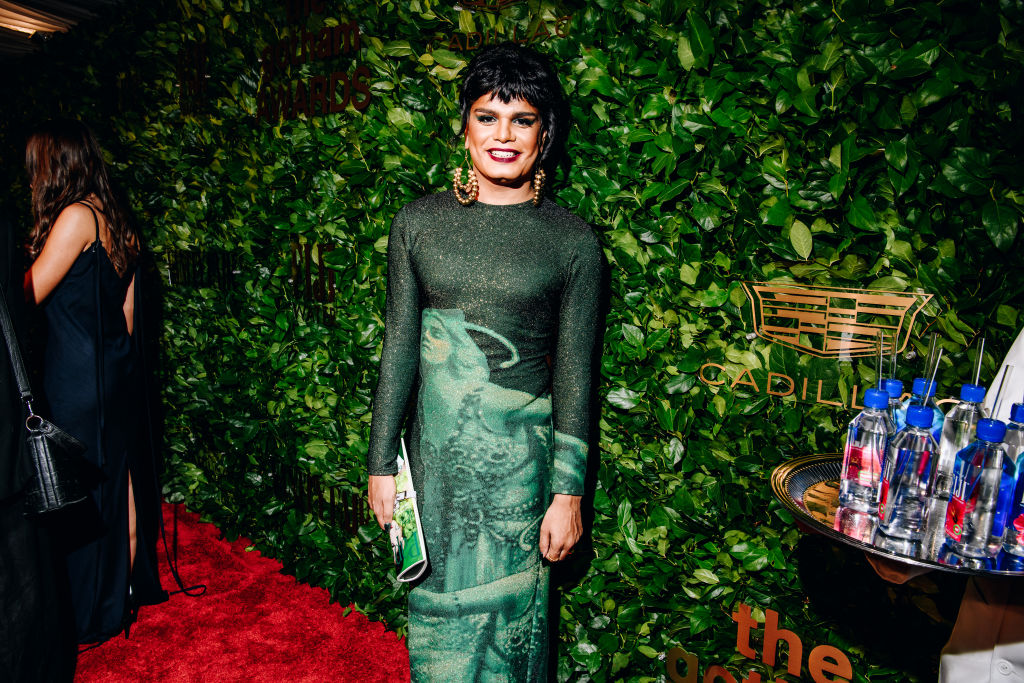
(923, 394)
(958, 429)
(974, 499)
(905, 481)
(867, 439)
(1013, 534)
(894, 388)
(1013, 537)
(1014, 439)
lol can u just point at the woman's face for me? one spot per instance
(436, 344)
(503, 140)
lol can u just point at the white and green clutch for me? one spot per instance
(406, 532)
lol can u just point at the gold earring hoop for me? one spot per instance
(465, 192)
(538, 185)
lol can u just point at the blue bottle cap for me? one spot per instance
(1017, 412)
(920, 384)
(991, 430)
(972, 393)
(876, 398)
(893, 387)
(920, 416)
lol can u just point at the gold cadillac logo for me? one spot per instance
(833, 321)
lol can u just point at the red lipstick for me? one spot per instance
(505, 156)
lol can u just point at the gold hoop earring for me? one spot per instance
(465, 192)
(538, 185)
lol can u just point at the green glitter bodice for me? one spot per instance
(503, 296)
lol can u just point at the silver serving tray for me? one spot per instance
(808, 487)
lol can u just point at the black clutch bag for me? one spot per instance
(58, 468)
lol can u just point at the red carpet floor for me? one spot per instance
(254, 624)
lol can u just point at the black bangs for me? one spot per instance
(508, 72)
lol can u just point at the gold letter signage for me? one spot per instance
(282, 97)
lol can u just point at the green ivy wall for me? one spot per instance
(855, 143)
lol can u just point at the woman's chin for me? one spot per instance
(512, 182)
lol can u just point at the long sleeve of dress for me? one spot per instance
(571, 381)
(399, 359)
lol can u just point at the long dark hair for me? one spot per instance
(65, 165)
(510, 71)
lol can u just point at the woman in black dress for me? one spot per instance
(83, 278)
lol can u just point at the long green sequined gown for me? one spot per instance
(491, 320)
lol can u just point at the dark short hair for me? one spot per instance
(509, 71)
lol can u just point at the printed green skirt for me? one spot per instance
(485, 459)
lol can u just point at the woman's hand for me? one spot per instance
(381, 493)
(561, 527)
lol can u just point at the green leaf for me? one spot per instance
(680, 384)
(647, 651)
(779, 213)
(860, 214)
(400, 118)
(655, 106)
(623, 398)
(806, 101)
(705, 576)
(756, 560)
(448, 59)
(701, 40)
(889, 283)
(830, 55)
(316, 449)
(1000, 223)
(685, 53)
(1006, 315)
(934, 90)
(896, 154)
(632, 334)
(713, 297)
(688, 273)
(397, 48)
(801, 239)
(466, 23)
(639, 135)
(968, 170)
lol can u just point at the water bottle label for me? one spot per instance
(883, 492)
(955, 513)
(860, 465)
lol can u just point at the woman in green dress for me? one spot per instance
(492, 313)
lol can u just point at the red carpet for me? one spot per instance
(254, 624)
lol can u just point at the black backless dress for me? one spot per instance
(93, 383)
